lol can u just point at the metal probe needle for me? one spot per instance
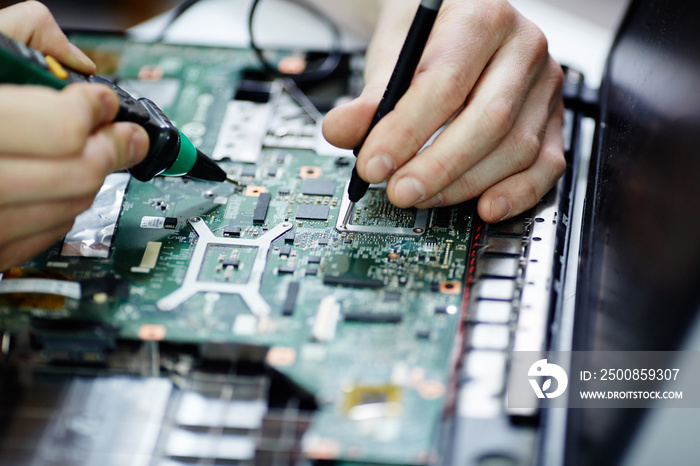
(346, 219)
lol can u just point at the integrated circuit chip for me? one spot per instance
(374, 317)
(290, 301)
(248, 170)
(316, 187)
(313, 212)
(353, 281)
(261, 208)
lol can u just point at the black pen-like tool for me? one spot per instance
(398, 85)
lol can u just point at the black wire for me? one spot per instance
(324, 70)
(177, 12)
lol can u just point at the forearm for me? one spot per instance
(393, 21)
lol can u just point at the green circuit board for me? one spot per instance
(364, 318)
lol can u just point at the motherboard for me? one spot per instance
(363, 320)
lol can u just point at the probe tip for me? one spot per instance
(206, 169)
(348, 213)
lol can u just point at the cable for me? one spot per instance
(322, 71)
(177, 12)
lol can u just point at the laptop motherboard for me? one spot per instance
(182, 283)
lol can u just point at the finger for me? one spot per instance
(346, 126)
(479, 130)
(515, 154)
(41, 121)
(522, 191)
(23, 220)
(22, 250)
(32, 179)
(32, 23)
(451, 67)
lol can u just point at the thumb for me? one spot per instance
(346, 125)
(33, 24)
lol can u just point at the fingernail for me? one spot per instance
(435, 201)
(80, 55)
(409, 191)
(138, 147)
(500, 209)
(379, 168)
(108, 103)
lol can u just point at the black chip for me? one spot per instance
(430, 240)
(285, 269)
(290, 237)
(347, 241)
(313, 212)
(421, 258)
(261, 208)
(314, 259)
(232, 231)
(281, 158)
(342, 161)
(312, 272)
(285, 250)
(248, 170)
(254, 91)
(423, 333)
(443, 217)
(235, 263)
(170, 223)
(433, 258)
(283, 191)
(290, 301)
(392, 296)
(272, 172)
(435, 287)
(353, 281)
(323, 242)
(374, 317)
(315, 187)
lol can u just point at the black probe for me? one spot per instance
(398, 85)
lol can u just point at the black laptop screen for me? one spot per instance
(639, 279)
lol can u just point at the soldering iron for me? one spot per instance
(170, 152)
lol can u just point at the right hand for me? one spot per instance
(487, 66)
(56, 147)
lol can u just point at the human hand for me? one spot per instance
(505, 144)
(56, 147)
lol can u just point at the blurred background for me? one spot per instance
(121, 14)
(103, 14)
